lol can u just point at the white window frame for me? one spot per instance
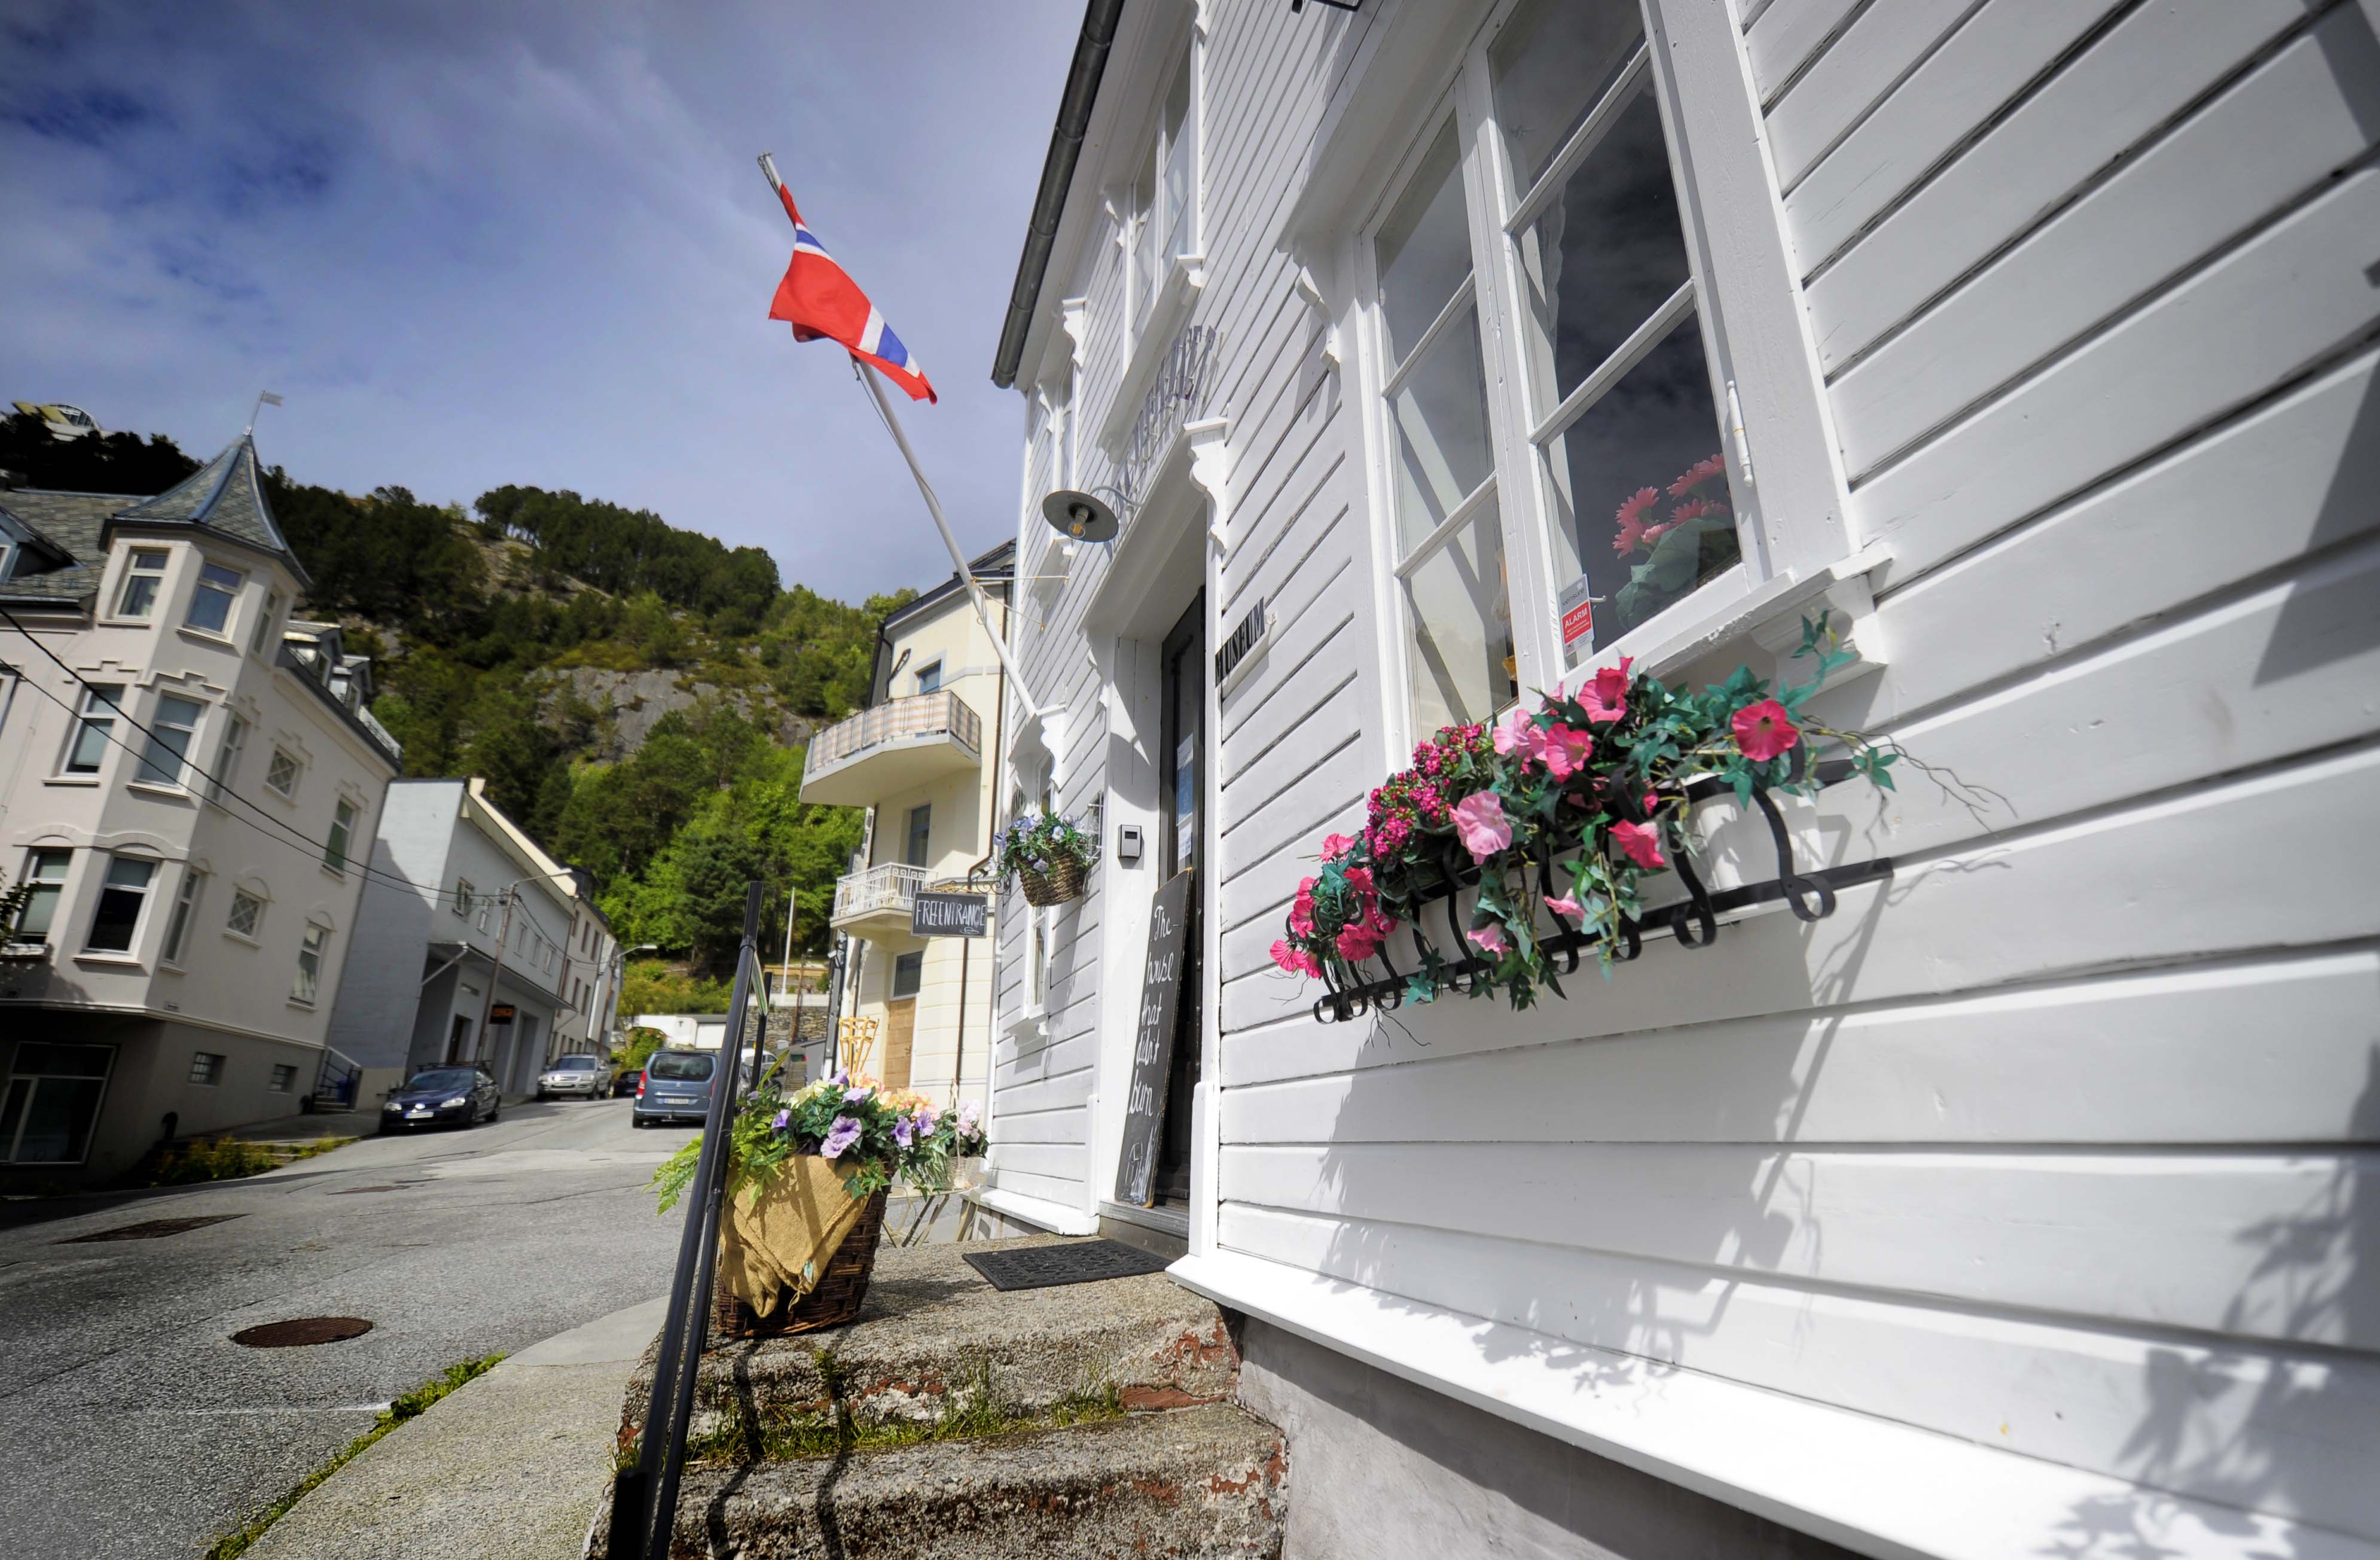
(202, 587)
(463, 896)
(133, 571)
(254, 933)
(315, 944)
(227, 754)
(338, 847)
(1746, 294)
(146, 893)
(297, 774)
(89, 718)
(261, 640)
(1148, 263)
(152, 772)
(185, 916)
(35, 861)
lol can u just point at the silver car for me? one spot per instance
(587, 1075)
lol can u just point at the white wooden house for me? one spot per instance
(2026, 1204)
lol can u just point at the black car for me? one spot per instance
(676, 1088)
(442, 1096)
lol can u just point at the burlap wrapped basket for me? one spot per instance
(795, 1255)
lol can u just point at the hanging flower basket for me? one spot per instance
(1064, 881)
(806, 1181)
(1049, 856)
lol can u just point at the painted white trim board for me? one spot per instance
(1883, 1489)
(1055, 1217)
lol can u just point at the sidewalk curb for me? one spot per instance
(511, 1466)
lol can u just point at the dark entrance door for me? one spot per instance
(1181, 848)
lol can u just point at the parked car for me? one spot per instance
(580, 1073)
(676, 1086)
(442, 1096)
(626, 1081)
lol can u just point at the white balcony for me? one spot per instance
(876, 903)
(892, 747)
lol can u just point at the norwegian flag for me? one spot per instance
(820, 299)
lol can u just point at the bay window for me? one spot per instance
(212, 601)
(1550, 445)
(144, 579)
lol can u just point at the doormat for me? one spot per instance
(152, 1229)
(1046, 1267)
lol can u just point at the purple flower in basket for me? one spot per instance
(970, 1117)
(844, 1133)
(784, 1119)
(840, 1077)
(853, 1096)
(904, 1128)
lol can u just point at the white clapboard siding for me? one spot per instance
(2190, 1052)
(1019, 1126)
(1983, 66)
(1784, 36)
(2217, 1242)
(2311, 109)
(2227, 335)
(2163, 881)
(1868, 60)
(2304, 465)
(2088, 1396)
(2128, 83)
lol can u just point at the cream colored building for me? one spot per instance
(191, 782)
(919, 758)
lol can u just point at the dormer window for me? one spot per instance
(145, 581)
(212, 602)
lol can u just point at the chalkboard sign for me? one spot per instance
(949, 915)
(1152, 1040)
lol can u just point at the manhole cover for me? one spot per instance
(304, 1329)
(152, 1229)
(1045, 1267)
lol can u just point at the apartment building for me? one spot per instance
(190, 781)
(917, 759)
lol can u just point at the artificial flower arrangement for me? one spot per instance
(1667, 548)
(881, 1134)
(1051, 856)
(1601, 773)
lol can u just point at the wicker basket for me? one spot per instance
(836, 1300)
(1062, 883)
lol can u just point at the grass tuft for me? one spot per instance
(409, 1406)
(978, 1409)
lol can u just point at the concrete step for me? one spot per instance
(934, 1339)
(1205, 1481)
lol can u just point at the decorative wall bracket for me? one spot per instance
(1693, 921)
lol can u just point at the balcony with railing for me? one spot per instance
(892, 747)
(877, 903)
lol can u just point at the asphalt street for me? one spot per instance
(130, 1424)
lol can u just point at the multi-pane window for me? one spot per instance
(123, 894)
(210, 603)
(281, 774)
(1447, 536)
(1619, 409)
(285, 1078)
(343, 827)
(263, 634)
(247, 914)
(171, 729)
(311, 953)
(94, 727)
(186, 911)
(207, 1067)
(462, 896)
(234, 739)
(52, 1102)
(1164, 198)
(46, 872)
(144, 580)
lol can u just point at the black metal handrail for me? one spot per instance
(644, 1498)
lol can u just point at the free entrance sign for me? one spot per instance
(949, 915)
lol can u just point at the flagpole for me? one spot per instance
(934, 506)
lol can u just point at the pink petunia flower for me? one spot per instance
(1480, 823)
(1336, 846)
(1301, 910)
(1360, 879)
(1517, 733)
(1565, 750)
(1566, 905)
(1606, 693)
(1640, 841)
(1765, 730)
(1490, 939)
(1296, 960)
(1357, 943)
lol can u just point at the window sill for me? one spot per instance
(339, 873)
(162, 793)
(1184, 280)
(300, 1005)
(109, 960)
(289, 797)
(1769, 615)
(71, 780)
(24, 950)
(205, 636)
(241, 938)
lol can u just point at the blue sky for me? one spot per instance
(527, 242)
